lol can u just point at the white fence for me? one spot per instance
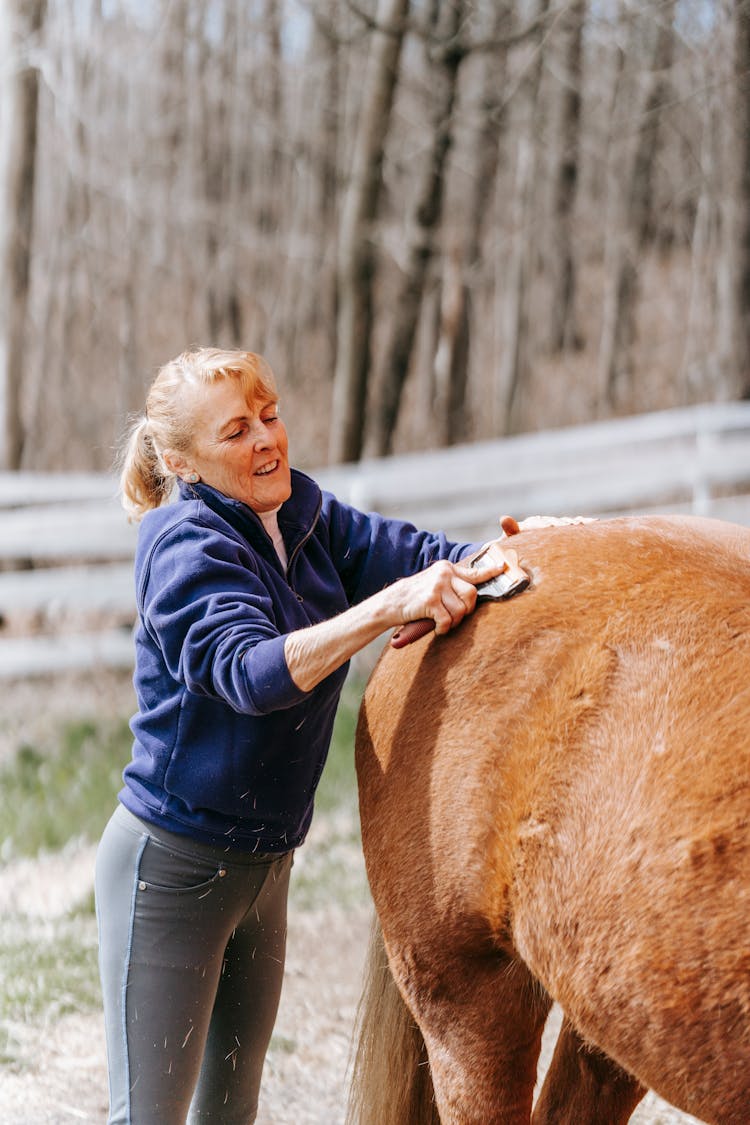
(66, 594)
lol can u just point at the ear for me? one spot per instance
(176, 463)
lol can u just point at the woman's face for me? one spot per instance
(239, 448)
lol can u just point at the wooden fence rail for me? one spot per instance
(66, 593)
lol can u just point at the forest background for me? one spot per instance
(440, 220)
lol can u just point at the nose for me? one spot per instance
(262, 438)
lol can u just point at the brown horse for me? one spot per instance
(555, 802)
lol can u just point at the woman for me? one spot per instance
(253, 590)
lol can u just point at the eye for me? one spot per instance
(235, 435)
(270, 419)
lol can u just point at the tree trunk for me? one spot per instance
(451, 362)
(21, 22)
(741, 378)
(423, 227)
(462, 262)
(129, 321)
(272, 103)
(224, 306)
(356, 257)
(516, 269)
(326, 182)
(630, 229)
(700, 336)
(67, 282)
(326, 93)
(173, 91)
(562, 324)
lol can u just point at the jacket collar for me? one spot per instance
(297, 516)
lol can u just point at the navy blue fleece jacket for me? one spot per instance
(227, 747)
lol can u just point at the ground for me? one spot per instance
(62, 1079)
(52, 1067)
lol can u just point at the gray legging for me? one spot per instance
(192, 941)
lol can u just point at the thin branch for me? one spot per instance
(443, 47)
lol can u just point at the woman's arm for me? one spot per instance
(445, 592)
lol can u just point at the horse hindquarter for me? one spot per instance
(553, 794)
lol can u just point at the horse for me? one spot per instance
(554, 802)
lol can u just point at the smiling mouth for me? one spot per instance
(266, 469)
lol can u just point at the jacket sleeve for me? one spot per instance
(370, 551)
(204, 605)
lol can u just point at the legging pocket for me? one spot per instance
(170, 871)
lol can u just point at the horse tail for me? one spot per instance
(391, 1083)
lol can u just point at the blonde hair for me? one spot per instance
(145, 480)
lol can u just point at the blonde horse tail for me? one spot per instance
(391, 1083)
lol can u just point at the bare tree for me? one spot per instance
(423, 221)
(741, 288)
(221, 283)
(706, 333)
(326, 93)
(356, 258)
(269, 98)
(20, 25)
(560, 251)
(513, 362)
(462, 259)
(326, 177)
(630, 227)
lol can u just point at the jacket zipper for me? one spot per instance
(301, 544)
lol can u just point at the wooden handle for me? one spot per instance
(412, 631)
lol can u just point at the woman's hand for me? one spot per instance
(445, 592)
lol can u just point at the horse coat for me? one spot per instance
(555, 801)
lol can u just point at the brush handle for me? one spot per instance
(412, 631)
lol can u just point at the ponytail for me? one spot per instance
(145, 481)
